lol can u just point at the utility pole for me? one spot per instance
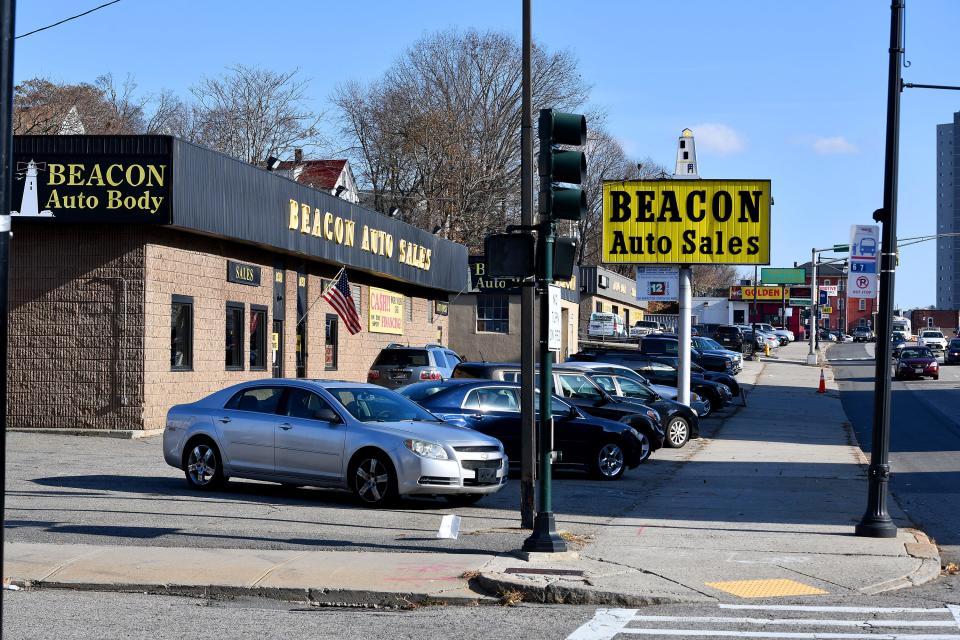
(7, 22)
(814, 299)
(876, 521)
(528, 445)
(683, 333)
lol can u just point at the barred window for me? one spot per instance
(493, 313)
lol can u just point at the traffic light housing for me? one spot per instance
(562, 165)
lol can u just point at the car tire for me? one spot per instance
(373, 480)
(646, 447)
(609, 461)
(465, 499)
(202, 465)
(936, 377)
(707, 405)
(678, 432)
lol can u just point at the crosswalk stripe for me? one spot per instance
(830, 609)
(605, 624)
(797, 636)
(801, 621)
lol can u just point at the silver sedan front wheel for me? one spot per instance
(372, 481)
(203, 468)
(678, 433)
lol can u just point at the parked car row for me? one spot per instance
(429, 424)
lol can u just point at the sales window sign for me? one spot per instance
(686, 222)
(762, 293)
(385, 311)
(95, 188)
(241, 273)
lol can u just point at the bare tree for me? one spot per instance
(713, 279)
(439, 135)
(42, 106)
(252, 113)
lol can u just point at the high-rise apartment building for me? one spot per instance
(948, 213)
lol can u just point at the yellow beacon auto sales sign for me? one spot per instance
(686, 221)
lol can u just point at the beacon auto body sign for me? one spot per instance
(687, 221)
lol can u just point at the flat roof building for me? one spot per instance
(146, 271)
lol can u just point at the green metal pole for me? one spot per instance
(546, 373)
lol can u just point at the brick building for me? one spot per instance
(147, 271)
(947, 320)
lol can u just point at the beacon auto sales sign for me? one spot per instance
(93, 188)
(686, 222)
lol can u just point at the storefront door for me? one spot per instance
(277, 348)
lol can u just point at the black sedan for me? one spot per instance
(605, 447)
(681, 422)
(952, 354)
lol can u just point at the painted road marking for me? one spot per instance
(608, 624)
(766, 588)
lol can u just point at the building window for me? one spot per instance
(430, 304)
(408, 303)
(862, 305)
(616, 310)
(826, 283)
(929, 323)
(355, 292)
(493, 313)
(330, 342)
(686, 155)
(234, 346)
(258, 338)
(599, 307)
(626, 317)
(181, 333)
(683, 144)
(690, 168)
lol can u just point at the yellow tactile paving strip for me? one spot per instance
(766, 588)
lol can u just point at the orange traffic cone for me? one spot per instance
(823, 383)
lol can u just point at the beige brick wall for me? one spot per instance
(182, 264)
(76, 326)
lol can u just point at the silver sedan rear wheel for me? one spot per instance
(678, 433)
(203, 468)
(372, 480)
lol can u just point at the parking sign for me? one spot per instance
(864, 261)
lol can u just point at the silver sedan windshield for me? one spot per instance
(379, 405)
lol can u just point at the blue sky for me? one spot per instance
(794, 92)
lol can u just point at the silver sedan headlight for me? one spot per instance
(426, 449)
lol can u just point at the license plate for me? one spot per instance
(486, 475)
(918, 369)
(399, 375)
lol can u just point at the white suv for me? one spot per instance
(932, 339)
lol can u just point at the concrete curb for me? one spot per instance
(925, 551)
(122, 434)
(313, 596)
(572, 594)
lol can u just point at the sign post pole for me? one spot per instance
(686, 304)
(814, 299)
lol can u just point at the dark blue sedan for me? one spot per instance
(604, 447)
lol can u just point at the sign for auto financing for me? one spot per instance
(385, 311)
(686, 221)
(864, 261)
(87, 188)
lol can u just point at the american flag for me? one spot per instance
(341, 300)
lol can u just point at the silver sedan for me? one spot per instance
(361, 437)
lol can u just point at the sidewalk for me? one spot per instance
(766, 508)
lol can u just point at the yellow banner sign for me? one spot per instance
(385, 311)
(686, 221)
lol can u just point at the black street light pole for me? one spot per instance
(876, 522)
(6, 189)
(528, 445)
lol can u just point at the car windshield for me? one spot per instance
(379, 405)
(708, 343)
(955, 343)
(418, 392)
(403, 358)
(914, 352)
(932, 334)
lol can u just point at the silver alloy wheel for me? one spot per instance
(677, 432)
(610, 460)
(706, 407)
(372, 480)
(202, 465)
(644, 447)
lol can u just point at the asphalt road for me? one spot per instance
(924, 439)
(92, 616)
(66, 489)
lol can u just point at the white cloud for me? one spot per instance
(834, 145)
(718, 138)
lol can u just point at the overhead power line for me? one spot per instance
(79, 15)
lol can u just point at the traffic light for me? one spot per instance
(562, 165)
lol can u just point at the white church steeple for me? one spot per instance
(686, 156)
